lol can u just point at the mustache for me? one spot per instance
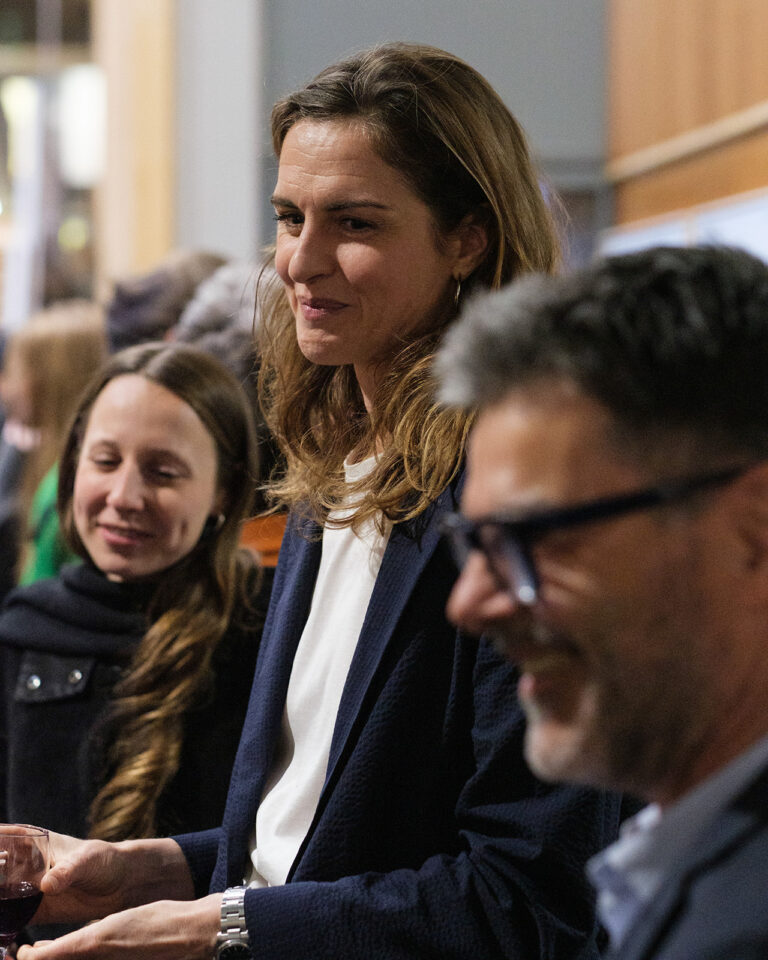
(512, 642)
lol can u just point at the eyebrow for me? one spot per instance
(343, 204)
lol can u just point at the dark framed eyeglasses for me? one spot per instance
(507, 541)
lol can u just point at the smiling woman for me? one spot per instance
(404, 185)
(363, 265)
(146, 479)
(126, 678)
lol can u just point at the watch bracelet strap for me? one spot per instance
(233, 924)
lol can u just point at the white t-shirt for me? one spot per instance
(349, 565)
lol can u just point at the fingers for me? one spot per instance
(78, 944)
(55, 880)
(90, 865)
(63, 874)
(166, 930)
(38, 943)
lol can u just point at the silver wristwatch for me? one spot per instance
(232, 939)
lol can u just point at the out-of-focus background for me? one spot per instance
(131, 128)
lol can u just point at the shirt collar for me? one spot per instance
(629, 873)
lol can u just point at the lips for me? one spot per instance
(532, 642)
(548, 664)
(317, 308)
(122, 536)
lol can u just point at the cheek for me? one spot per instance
(387, 277)
(187, 517)
(80, 495)
(80, 511)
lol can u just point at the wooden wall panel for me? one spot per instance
(682, 75)
(736, 167)
(134, 44)
(674, 65)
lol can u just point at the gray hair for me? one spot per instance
(223, 319)
(225, 299)
(669, 340)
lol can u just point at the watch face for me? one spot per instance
(233, 951)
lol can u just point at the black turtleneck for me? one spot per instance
(63, 645)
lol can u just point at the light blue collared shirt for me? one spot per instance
(629, 873)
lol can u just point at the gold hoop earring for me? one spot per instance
(457, 294)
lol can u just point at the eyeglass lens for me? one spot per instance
(510, 562)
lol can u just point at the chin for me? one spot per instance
(322, 355)
(120, 571)
(560, 753)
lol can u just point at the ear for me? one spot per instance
(752, 524)
(219, 503)
(470, 240)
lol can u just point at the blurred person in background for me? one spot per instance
(47, 364)
(126, 678)
(146, 306)
(379, 804)
(142, 308)
(223, 318)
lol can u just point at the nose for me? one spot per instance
(311, 254)
(126, 492)
(477, 603)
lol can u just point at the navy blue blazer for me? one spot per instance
(715, 906)
(431, 837)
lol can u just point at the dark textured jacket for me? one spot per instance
(63, 645)
(432, 838)
(715, 904)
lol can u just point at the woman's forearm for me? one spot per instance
(155, 870)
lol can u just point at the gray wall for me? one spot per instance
(219, 75)
(545, 57)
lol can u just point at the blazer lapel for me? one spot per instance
(261, 728)
(402, 565)
(403, 562)
(740, 818)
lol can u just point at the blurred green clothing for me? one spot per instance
(48, 551)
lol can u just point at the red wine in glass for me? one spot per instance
(23, 861)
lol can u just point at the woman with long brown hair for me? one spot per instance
(126, 678)
(379, 805)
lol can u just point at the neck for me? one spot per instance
(733, 735)
(367, 381)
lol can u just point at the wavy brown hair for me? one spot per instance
(194, 601)
(443, 128)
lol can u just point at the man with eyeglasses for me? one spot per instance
(613, 538)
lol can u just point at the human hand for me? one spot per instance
(90, 879)
(84, 881)
(164, 930)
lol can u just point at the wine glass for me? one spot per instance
(23, 861)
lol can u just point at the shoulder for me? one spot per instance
(35, 601)
(717, 907)
(78, 611)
